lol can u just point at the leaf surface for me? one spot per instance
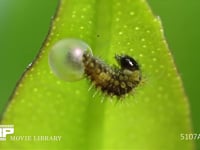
(152, 117)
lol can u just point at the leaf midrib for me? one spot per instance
(100, 42)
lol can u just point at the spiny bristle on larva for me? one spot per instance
(110, 80)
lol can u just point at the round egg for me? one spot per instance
(65, 59)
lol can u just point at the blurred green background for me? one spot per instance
(24, 25)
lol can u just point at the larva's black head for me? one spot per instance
(127, 62)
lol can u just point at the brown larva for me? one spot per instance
(112, 80)
(70, 59)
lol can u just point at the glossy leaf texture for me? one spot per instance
(152, 117)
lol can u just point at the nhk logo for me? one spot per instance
(5, 130)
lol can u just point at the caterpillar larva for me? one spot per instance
(70, 59)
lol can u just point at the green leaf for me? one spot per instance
(153, 117)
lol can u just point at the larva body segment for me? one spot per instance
(112, 80)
